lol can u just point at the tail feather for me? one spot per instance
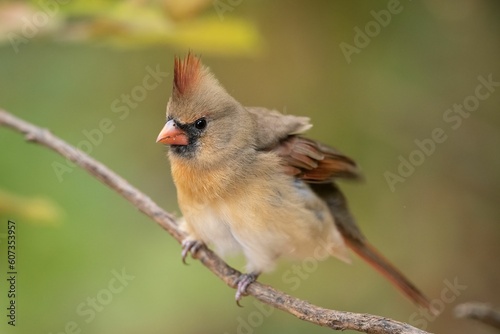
(353, 237)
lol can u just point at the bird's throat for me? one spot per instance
(199, 184)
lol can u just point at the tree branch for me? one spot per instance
(482, 312)
(336, 320)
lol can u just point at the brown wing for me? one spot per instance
(304, 158)
(273, 126)
(314, 162)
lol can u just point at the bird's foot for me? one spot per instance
(190, 246)
(243, 282)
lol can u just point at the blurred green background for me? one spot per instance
(74, 234)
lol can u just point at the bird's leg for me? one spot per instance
(190, 246)
(243, 282)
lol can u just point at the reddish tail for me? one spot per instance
(383, 266)
(344, 221)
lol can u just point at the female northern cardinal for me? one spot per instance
(247, 181)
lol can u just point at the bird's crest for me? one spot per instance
(186, 73)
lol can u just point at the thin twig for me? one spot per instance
(336, 320)
(482, 312)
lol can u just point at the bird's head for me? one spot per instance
(204, 123)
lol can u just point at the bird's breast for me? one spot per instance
(211, 224)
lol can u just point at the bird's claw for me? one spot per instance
(190, 246)
(243, 282)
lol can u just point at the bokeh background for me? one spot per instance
(67, 73)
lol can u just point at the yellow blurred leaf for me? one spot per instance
(211, 35)
(139, 23)
(37, 210)
(139, 18)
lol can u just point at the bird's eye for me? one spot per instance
(200, 124)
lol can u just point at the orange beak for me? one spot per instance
(172, 135)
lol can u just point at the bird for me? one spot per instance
(248, 181)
